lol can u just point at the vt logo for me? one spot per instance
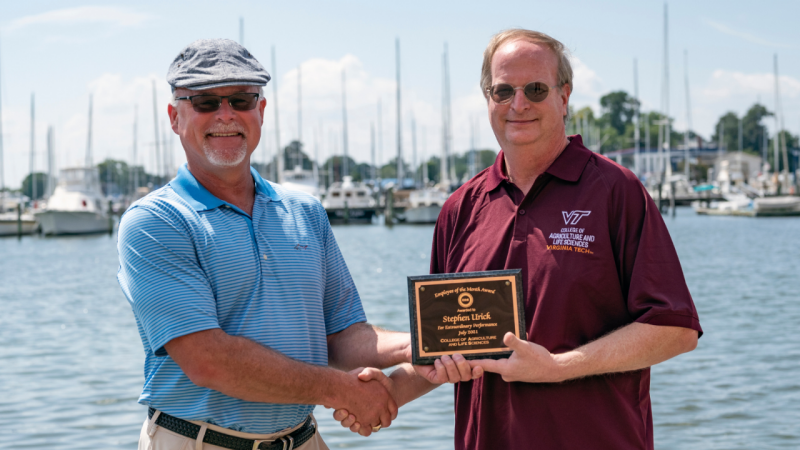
(574, 216)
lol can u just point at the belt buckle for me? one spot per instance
(287, 439)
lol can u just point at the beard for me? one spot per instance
(225, 157)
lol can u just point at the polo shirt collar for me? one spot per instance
(568, 166)
(189, 189)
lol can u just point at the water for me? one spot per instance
(71, 359)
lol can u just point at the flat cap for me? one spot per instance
(212, 63)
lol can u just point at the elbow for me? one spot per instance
(201, 374)
(688, 340)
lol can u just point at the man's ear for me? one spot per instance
(173, 117)
(261, 106)
(565, 92)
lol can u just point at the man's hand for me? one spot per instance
(632, 347)
(371, 399)
(449, 370)
(529, 362)
(446, 370)
(365, 375)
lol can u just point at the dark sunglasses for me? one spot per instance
(535, 92)
(244, 101)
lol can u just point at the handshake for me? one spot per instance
(373, 402)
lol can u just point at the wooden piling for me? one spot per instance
(110, 218)
(19, 220)
(672, 197)
(389, 211)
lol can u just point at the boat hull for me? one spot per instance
(423, 214)
(8, 227)
(72, 222)
(360, 215)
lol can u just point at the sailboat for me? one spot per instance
(76, 206)
(12, 220)
(424, 205)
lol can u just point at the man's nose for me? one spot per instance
(225, 112)
(519, 102)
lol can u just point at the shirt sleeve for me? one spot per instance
(648, 264)
(160, 275)
(341, 303)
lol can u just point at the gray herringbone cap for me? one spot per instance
(212, 63)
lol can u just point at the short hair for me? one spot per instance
(563, 74)
(174, 101)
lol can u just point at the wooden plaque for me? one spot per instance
(466, 313)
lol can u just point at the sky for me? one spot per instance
(64, 51)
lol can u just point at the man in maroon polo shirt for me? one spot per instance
(605, 297)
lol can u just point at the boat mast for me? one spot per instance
(344, 166)
(414, 151)
(400, 174)
(688, 115)
(667, 162)
(157, 137)
(315, 164)
(779, 139)
(636, 156)
(2, 166)
(443, 176)
(278, 167)
(50, 150)
(33, 146)
(380, 137)
(422, 157)
(298, 154)
(372, 148)
(451, 162)
(135, 156)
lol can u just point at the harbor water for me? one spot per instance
(71, 358)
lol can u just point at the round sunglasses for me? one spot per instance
(535, 91)
(243, 101)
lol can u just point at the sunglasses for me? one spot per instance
(244, 101)
(535, 92)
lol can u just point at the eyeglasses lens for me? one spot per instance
(211, 103)
(536, 92)
(502, 93)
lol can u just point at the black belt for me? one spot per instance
(292, 440)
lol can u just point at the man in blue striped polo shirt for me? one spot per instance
(240, 293)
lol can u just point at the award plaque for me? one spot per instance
(465, 313)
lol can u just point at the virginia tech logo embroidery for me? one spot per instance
(574, 216)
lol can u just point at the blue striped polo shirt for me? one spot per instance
(191, 262)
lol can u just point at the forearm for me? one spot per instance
(409, 385)
(365, 345)
(631, 347)
(244, 369)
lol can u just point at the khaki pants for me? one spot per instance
(154, 437)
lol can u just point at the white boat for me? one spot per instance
(9, 225)
(776, 205)
(424, 205)
(8, 216)
(301, 180)
(76, 206)
(349, 201)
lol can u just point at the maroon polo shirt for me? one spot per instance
(595, 256)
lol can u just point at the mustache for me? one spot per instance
(226, 128)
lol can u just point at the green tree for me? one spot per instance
(753, 130)
(41, 185)
(617, 109)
